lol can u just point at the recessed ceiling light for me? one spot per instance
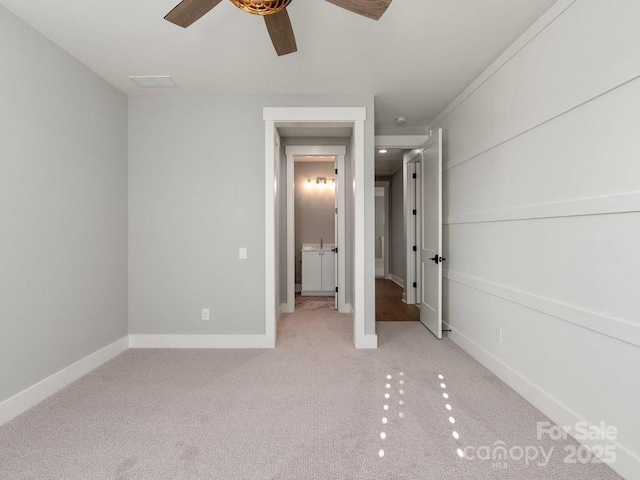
(401, 120)
(154, 82)
(382, 151)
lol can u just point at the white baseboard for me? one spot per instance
(287, 308)
(627, 463)
(199, 341)
(367, 342)
(23, 401)
(396, 280)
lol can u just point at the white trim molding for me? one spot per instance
(400, 141)
(621, 203)
(199, 341)
(367, 342)
(538, 27)
(612, 327)
(397, 280)
(314, 114)
(626, 461)
(355, 116)
(23, 401)
(339, 152)
(385, 185)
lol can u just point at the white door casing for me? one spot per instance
(336, 239)
(339, 152)
(430, 283)
(356, 116)
(412, 209)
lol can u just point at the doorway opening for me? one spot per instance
(390, 238)
(279, 243)
(315, 220)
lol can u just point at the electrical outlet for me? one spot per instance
(205, 314)
(498, 335)
(242, 255)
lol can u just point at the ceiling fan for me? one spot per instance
(274, 13)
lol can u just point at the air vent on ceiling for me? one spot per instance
(154, 82)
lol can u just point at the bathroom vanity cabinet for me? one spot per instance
(318, 272)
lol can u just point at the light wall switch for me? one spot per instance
(498, 335)
(243, 254)
(205, 314)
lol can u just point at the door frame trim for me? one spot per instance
(339, 152)
(353, 115)
(411, 225)
(386, 185)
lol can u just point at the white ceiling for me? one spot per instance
(415, 60)
(390, 162)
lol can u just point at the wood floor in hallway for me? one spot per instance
(389, 304)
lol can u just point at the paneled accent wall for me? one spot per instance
(542, 218)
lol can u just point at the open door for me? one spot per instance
(430, 283)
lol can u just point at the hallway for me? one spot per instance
(389, 304)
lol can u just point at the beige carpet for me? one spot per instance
(312, 408)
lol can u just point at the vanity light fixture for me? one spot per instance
(382, 151)
(321, 182)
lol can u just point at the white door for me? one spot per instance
(430, 282)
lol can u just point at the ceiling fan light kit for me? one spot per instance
(261, 7)
(274, 13)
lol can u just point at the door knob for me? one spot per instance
(437, 259)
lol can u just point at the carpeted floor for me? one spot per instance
(313, 408)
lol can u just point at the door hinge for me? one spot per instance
(336, 171)
(336, 210)
(336, 289)
(415, 212)
(415, 284)
(415, 248)
(415, 175)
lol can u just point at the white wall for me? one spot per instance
(542, 209)
(196, 194)
(63, 209)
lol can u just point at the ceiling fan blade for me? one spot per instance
(188, 11)
(281, 32)
(369, 8)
